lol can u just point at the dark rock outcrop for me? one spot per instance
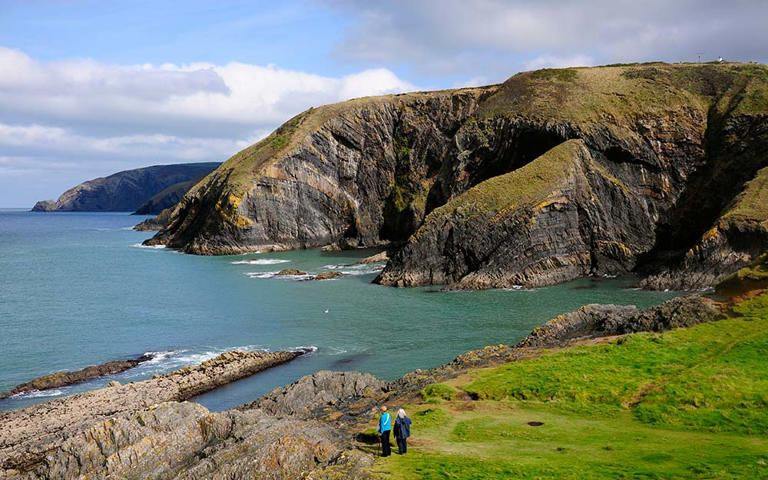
(290, 272)
(156, 223)
(320, 390)
(591, 321)
(126, 191)
(61, 379)
(553, 175)
(329, 275)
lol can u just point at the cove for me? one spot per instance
(77, 289)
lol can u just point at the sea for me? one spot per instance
(79, 289)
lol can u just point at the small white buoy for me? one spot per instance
(326, 310)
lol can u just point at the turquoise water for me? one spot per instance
(77, 290)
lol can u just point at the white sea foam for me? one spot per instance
(154, 247)
(39, 394)
(260, 261)
(518, 288)
(357, 269)
(274, 274)
(310, 349)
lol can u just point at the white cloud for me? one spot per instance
(496, 38)
(551, 61)
(105, 118)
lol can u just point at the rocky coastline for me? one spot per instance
(62, 379)
(309, 429)
(655, 169)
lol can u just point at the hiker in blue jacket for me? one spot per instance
(402, 431)
(385, 426)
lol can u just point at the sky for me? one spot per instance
(89, 88)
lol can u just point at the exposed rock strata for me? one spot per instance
(127, 190)
(304, 430)
(61, 379)
(552, 175)
(30, 434)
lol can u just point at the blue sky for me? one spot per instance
(89, 88)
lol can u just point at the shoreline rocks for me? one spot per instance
(62, 379)
(289, 272)
(304, 430)
(29, 434)
(329, 275)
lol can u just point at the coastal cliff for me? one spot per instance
(552, 175)
(149, 189)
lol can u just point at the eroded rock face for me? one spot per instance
(656, 156)
(320, 390)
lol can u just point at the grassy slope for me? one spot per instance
(752, 203)
(527, 185)
(684, 404)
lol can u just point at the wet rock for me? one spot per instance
(327, 275)
(61, 379)
(290, 271)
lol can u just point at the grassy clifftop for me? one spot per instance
(689, 403)
(619, 92)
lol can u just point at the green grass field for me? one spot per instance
(689, 403)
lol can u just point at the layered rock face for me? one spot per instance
(126, 191)
(553, 175)
(357, 173)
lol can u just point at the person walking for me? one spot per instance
(385, 426)
(402, 431)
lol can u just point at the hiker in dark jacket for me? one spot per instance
(402, 431)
